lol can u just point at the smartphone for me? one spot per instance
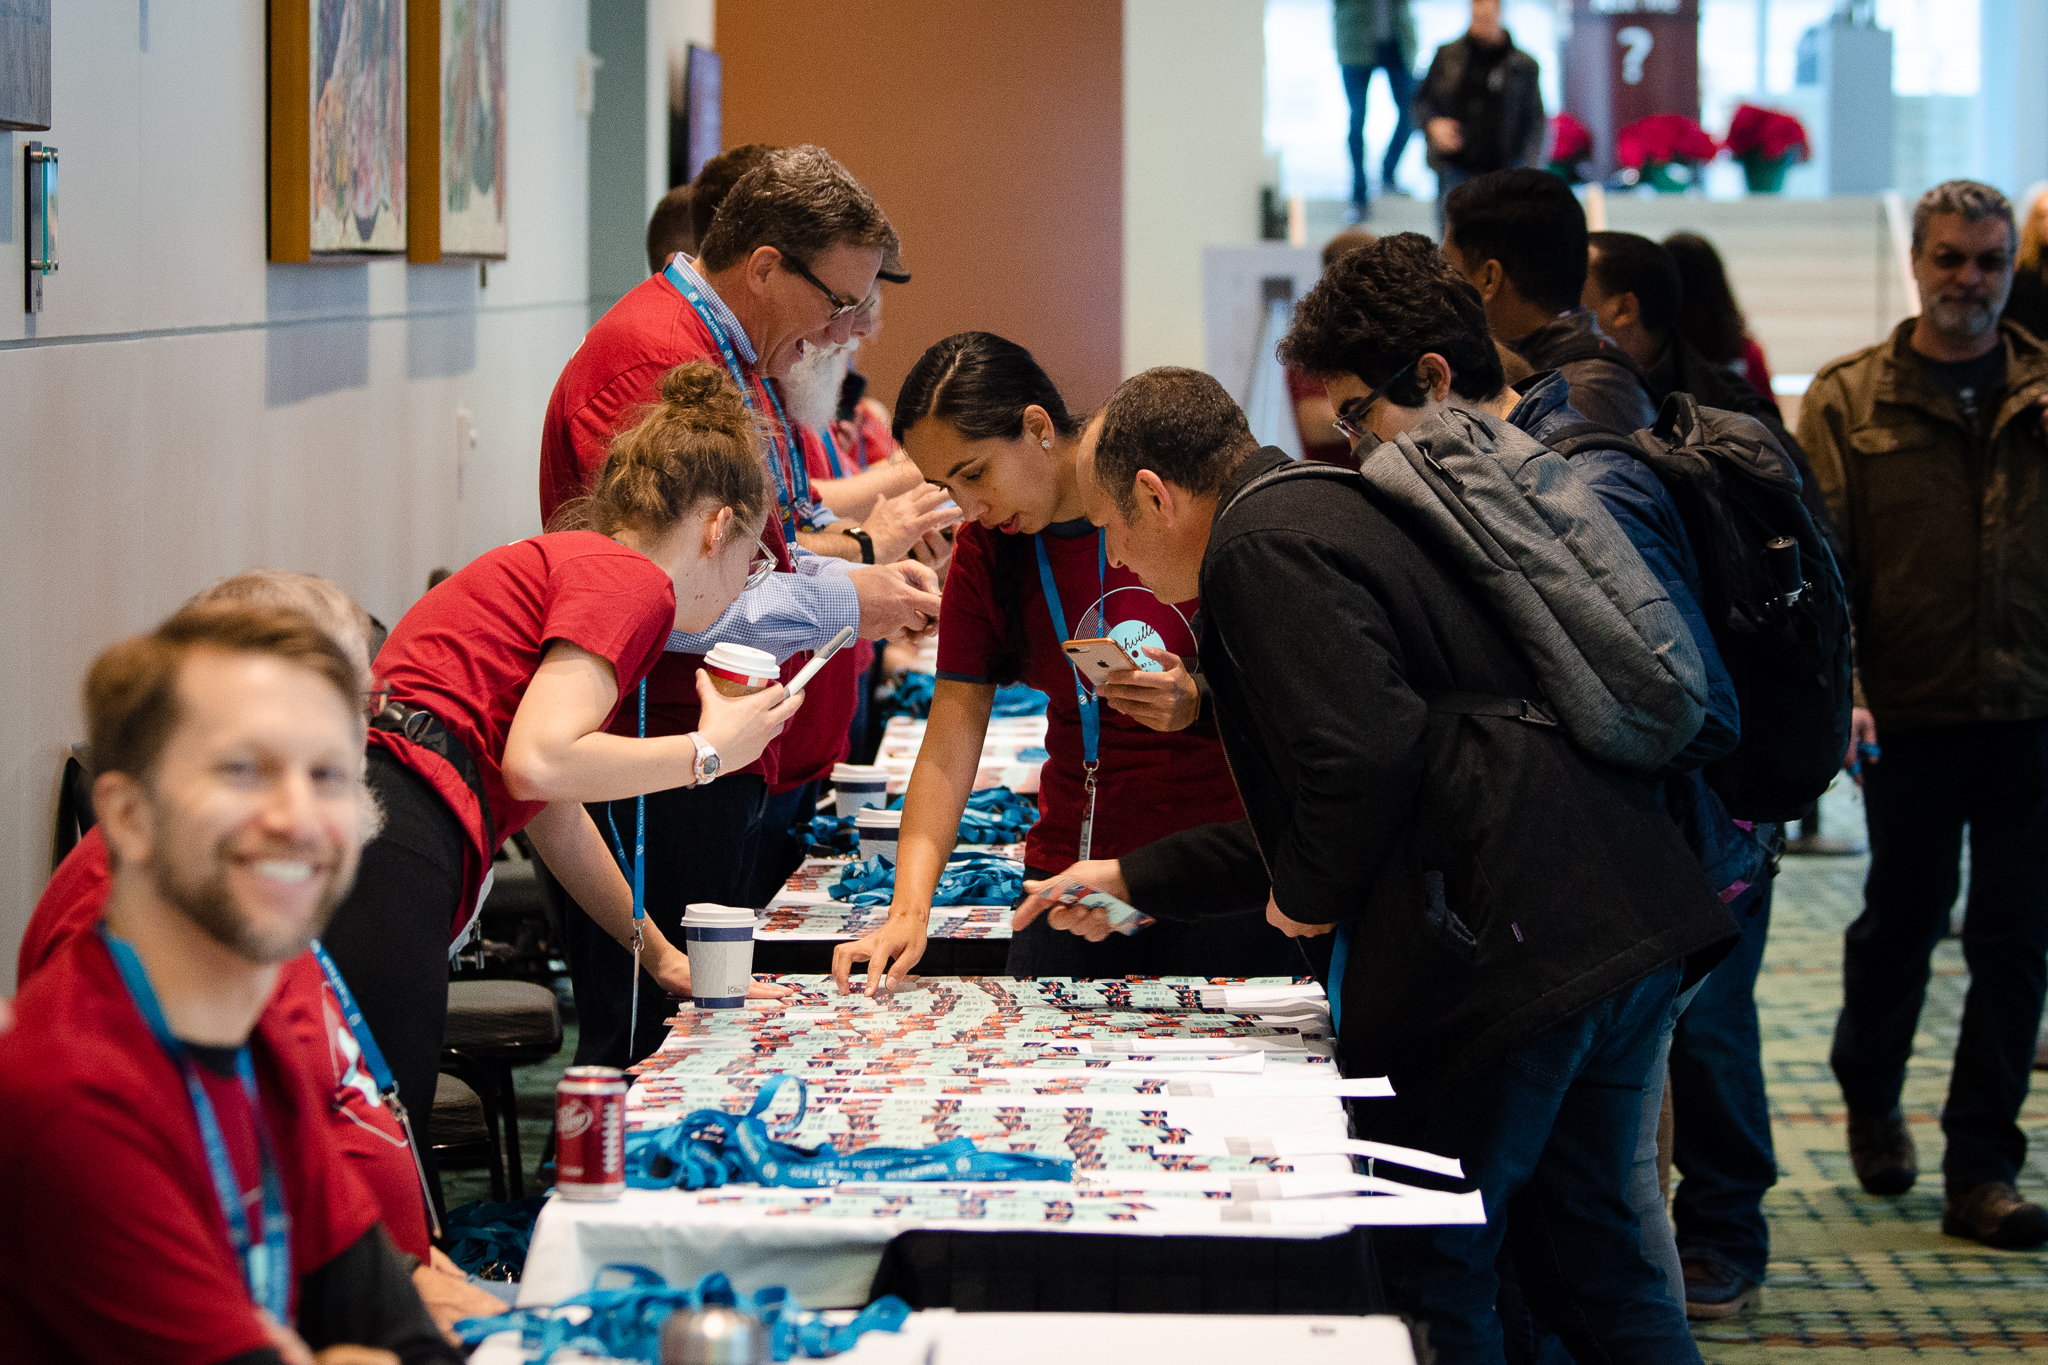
(1097, 659)
(1124, 917)
(820, 659)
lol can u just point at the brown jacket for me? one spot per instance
(1946, 533)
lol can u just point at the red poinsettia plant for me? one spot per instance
(1765, 133)
(1661, 139)
(1570, 140)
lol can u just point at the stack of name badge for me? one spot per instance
(1011, 753)
(1185, 1106)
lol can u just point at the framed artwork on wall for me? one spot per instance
(337, 128)
(456, 106)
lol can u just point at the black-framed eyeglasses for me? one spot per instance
(762, 564)
(1990, 262)
(1351, 416)
(841, 305)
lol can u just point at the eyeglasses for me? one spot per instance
(1990, 262)
(1351, 416)
(840, 306)
(762, 564)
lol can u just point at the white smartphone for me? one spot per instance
(820, 659)
(1124, 917)
(1099, 658)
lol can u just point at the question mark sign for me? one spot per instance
(1638, 40)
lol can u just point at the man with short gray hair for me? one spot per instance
(1929, 447)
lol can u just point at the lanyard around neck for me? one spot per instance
(266, 1268)
(1090, 704)
(792, 481)
(636, 871)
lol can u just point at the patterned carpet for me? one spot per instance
(1850, 1272)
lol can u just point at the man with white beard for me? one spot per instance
(1929, 447)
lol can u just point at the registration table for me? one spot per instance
(1213, 1169)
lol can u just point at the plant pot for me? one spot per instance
(1567, 171)
(1765, 174)
(1670, 177)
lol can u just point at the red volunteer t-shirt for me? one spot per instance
(367, 1133)
(1150, 784)
(467, 650)
(103, 1155)
(610, 380)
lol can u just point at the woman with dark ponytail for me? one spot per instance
(502, 682)
(978, 416)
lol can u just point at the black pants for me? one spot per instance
(700, 847)
(1227, 945)
(781, 849)
(390, 937)
(1993, 777)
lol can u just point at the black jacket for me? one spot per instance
(1519, 108)
(1607, 385)
(1496, 879)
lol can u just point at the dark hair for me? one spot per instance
(698, 445)
(1382, 305)
(1708, 318)
(1529, 221)
(979, 384)
(1345, 242)
(1181, 424)
(131, 690)
(1627, 263)
(669, 230)
(799, 201)
(715, 180)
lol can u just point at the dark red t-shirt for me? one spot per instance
(1150, 784)
(367, 1133)
(103, 1157)
(467, 650)
(614, 375)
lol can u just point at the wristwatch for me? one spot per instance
(708, 763)
(867, 542)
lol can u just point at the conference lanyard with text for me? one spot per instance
(266, 1268)
(380, 1072)
(1090, 704)
(792, 481)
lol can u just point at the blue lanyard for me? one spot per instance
(794, 488)
(373, 1056)
(832, 453)
(1090, 704)
(266, 1269)
(1340, 949)
(636, 871)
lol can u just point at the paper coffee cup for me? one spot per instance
(740, 670)
(877, 831)
(859, 784)
(720, 942)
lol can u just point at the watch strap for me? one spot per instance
(866, 542)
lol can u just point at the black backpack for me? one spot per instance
(1772, 593)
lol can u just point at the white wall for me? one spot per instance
(181, 410)
(1194, 158)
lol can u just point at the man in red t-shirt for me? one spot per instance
(156, 1113)
(795, 248)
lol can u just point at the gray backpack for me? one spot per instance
(1617, 666)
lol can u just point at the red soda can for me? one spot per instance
(590, 1133)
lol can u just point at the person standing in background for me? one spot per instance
(1710, 320)
(1375, 35)
(1480, 106)
(1929, 448)
(2028, 305)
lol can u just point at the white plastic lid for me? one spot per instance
(742, 660)
(873, 817)
(859, 772)
(708, 916)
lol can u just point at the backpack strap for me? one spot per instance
(1303, 469)
(1577, 438)
(1482, 704)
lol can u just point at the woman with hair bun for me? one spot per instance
(1127, 765)
(503, 680)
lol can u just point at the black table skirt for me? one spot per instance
(1062, 1272)
(942, 956)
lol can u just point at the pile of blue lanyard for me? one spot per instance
(994, 815)
(489, 1240)
(625, 1322)
(969, 879)
(912, 696)
(712, 1147)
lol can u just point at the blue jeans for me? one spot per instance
(1722, 1144)
(1548, 1133)
(1401, 85)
